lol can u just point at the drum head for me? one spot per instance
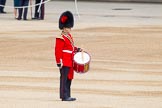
(81, 57)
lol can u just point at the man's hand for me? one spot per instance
(79, 50)
(59, 65)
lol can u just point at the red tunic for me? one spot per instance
(64, 52)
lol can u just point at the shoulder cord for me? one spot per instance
(69, 38)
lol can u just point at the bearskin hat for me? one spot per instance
(66, 20)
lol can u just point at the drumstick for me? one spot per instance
(82, 56)
(82, 53)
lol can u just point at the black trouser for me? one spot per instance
(2, 2)
(23, 3)
(39, 14)
(65, 83)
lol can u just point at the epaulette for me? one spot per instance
(60, 37)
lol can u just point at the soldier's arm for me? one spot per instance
(58, 50)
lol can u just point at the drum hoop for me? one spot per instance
(86, 62)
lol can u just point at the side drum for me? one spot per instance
(81, 62)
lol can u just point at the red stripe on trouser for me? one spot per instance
(64, 79)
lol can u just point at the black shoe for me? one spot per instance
(69, 99)
(18, 18)
(73, 99)
(40, 18)
(25, 19)
(35, 18)
(3, 12)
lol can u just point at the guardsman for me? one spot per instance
(64, 52)
(39, 10)
(21, 13)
